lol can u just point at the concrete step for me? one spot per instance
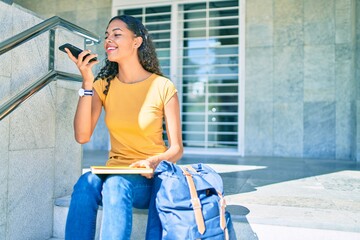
(245, 228)
(61, 209)
(297, 209)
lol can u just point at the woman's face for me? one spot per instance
(120, 43)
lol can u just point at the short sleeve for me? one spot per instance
(99, 87)
(169, 91)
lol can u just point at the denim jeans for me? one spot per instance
(118, 194)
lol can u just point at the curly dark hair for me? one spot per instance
(146, 52)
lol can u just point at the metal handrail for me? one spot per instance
(19, 98)
(12, 42)
(42, 27)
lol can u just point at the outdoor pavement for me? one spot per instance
(284, 198)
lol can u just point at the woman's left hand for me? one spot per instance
(151, 162)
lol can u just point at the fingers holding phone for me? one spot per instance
(79, 56)
(86, 58)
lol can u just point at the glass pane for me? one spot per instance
(226, 50)
(195, 24)
(161, 53)
(164, 62)
(195, 6)
(158, 18)
(222, 108)
(223, 13)
(222, 128)
(137, 11)
(223, 99)
(163, 44)
(223, 88)
(195, 33)
(161, 35)
(165, 71)
(158, 27)
(224, 22)
(193, 108)
(195, 96)
(224, 41)
(223, 119)
(193, 118)
(228, 80)
(160, 9)
(193, 127)
(227, 60)
(223, 4)
(195, 15)
(223, 32)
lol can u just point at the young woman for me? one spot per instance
(136, 98)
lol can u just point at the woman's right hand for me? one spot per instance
(83, 64)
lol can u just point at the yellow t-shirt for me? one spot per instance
(134, 115)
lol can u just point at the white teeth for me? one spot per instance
(111, 48)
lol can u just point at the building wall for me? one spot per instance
(300, 88)
(39, 159)
(300, 84)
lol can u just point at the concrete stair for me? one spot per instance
(275, 199)
(61, 208)
(245, 229)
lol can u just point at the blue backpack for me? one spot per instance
(190, 203)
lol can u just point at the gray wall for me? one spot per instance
(301, 61)
(39, 159)
(300, 83)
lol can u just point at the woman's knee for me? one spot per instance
(116, 183)
(117, 187)
(88, 182)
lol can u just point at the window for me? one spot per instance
(202, 58)
(209, 73)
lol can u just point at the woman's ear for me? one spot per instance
(138, 42)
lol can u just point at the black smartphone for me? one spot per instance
(74, 50)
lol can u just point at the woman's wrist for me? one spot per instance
(87, 85)
(154, 161)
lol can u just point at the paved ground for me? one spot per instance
(285, 198)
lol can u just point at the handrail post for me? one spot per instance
(51, 65)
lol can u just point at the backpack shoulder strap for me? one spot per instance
(222, 202)
(195, 201)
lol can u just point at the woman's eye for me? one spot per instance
(115, 35)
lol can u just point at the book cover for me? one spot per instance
(119, 170)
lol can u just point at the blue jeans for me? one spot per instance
(118, 194)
